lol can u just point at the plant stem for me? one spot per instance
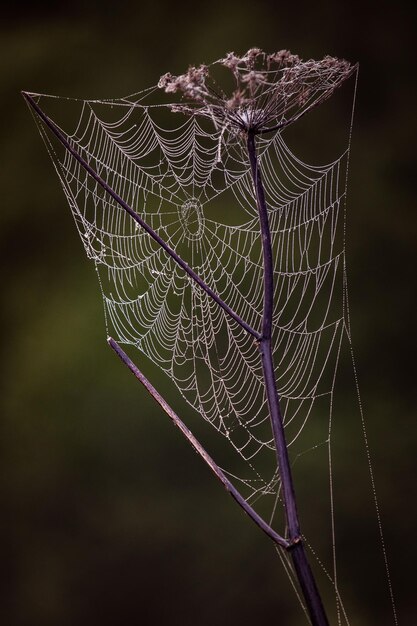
(297, 549)
(294, 544)
(61, 137)
(197, 446)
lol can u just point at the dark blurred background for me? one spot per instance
(107, 515)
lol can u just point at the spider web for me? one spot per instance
(195, 190)
(189, 178)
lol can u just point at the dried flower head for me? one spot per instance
(270, 90)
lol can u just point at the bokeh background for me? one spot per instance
(107, 517)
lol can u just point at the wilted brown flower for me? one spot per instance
(272, 90)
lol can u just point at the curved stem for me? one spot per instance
(298, 553)
(294, 544)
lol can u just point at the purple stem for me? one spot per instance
(57, 132)
(297, 549)
(295, 544)
(197, 446)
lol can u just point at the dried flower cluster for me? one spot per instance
(270, 90)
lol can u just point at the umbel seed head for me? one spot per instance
(269, 91)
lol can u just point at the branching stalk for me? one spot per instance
(294, 543)
(298, 553)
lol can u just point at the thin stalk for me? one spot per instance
(61, 137)
(197, 446)
(295, 544)
(297, 549)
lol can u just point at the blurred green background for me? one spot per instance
(107, 516)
